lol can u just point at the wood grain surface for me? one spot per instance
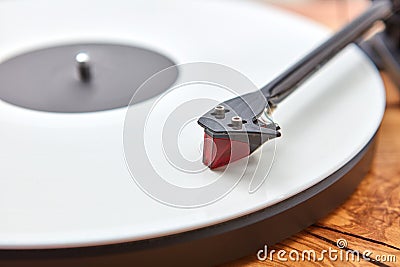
(370, 218)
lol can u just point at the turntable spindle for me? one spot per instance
(83, 66)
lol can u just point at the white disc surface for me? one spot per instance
(63, 177)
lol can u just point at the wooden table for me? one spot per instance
(370, 218)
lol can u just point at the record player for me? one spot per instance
(103, 158)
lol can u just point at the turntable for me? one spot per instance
(103, 158)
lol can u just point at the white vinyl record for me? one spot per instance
(64, 180)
